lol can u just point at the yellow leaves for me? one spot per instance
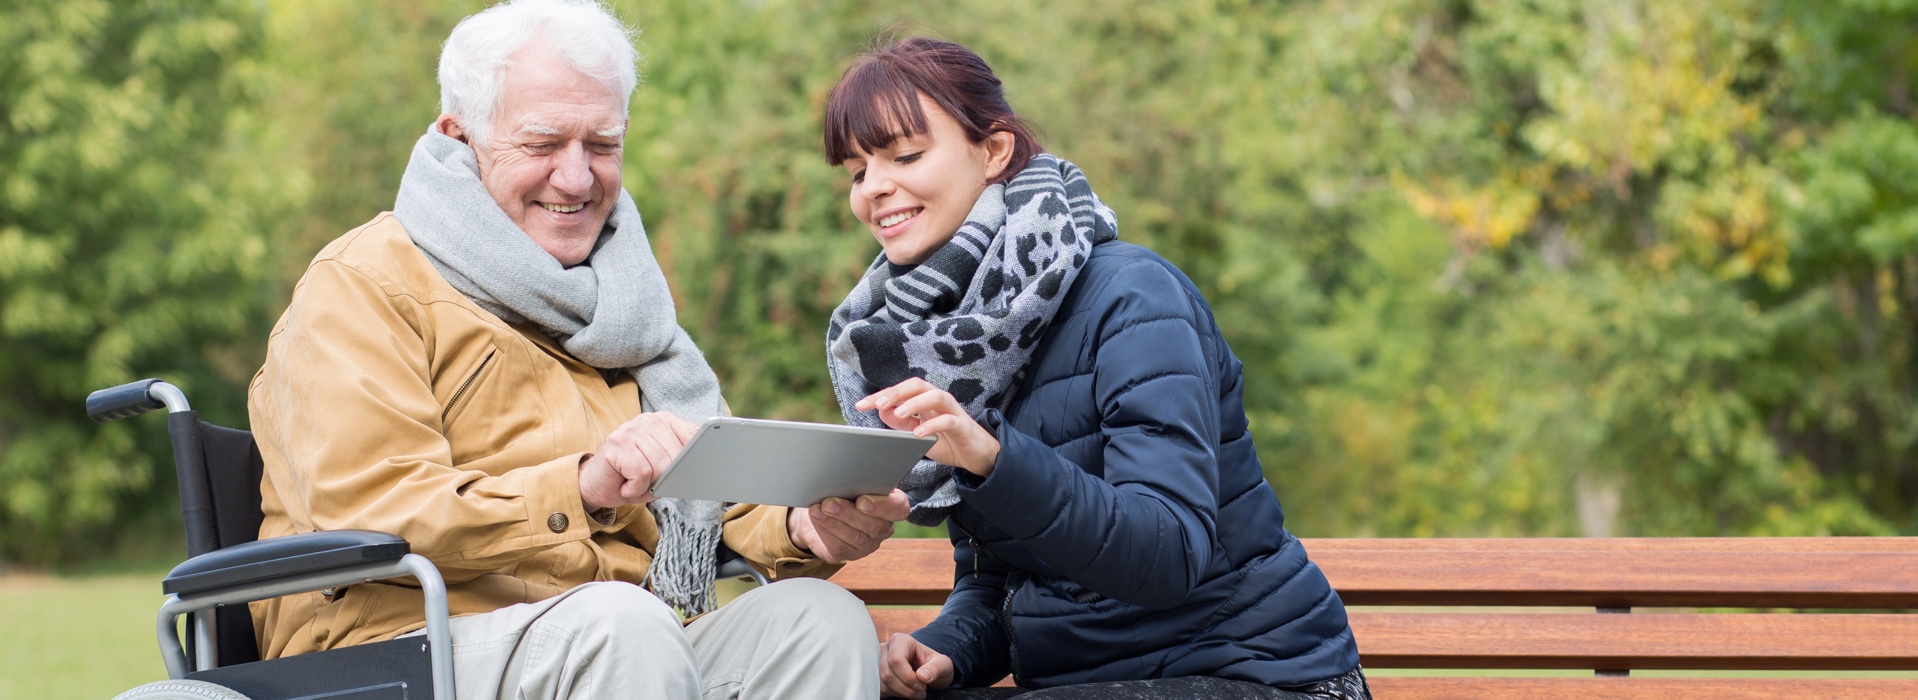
(1491, 214)
(1652, 98)
(1632, 131)
(1887, 285)
(1729, 222)
(1651, 83)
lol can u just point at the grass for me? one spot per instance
(87, 636)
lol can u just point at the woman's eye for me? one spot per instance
(908, 158)
(859, 177)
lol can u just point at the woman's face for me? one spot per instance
(915, 192)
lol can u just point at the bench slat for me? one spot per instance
(1592, 641)
(887, 621)
(1623, 578)
(1598, 572)
(1904, 545)
(1638, 641)
(905, 571)
(1427, 688)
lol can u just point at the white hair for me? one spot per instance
(584, 33)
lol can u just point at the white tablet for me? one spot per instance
(786, 463)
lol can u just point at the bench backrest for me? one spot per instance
(1791, 604)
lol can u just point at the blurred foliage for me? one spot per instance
(130, 244)
(1495, 267)
(1675, 296)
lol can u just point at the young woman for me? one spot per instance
(1109, 517)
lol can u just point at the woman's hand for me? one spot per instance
(907, 668)
(924, 409)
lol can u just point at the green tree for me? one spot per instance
(1525, 267)
(128, 248)
(1630, 316)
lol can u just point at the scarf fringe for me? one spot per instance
(684, 568)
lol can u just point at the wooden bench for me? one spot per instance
(1607, 606)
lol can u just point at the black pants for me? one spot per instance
(1350, 686)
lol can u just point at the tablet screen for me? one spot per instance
(787, 463)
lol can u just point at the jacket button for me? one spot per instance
(556, 522)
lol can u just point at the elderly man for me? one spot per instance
(494, 371)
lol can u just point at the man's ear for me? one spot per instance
(998, 153)
(449, 124)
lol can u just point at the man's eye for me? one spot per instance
(605, 149)
(541, 148)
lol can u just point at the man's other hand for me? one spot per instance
(839, 531)
(623, 469)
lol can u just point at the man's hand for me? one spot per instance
(907, 668)
(839, 531)
(623, 469)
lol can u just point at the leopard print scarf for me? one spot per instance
(968, 317)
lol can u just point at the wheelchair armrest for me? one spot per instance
(280, 557)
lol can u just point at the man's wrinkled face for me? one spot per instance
(553, 159)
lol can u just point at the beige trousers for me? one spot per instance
(801, 638)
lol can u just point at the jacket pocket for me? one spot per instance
(465, 391)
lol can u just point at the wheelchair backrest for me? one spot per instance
(219, 473)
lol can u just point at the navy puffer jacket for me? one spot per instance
(1127, 531)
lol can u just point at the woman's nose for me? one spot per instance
(875, 185)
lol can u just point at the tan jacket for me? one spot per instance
(389, 401)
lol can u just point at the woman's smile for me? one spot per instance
(893, 224)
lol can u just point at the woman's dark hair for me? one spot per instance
(877, 101)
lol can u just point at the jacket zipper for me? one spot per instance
(1012, 642)
(976, 546)
(1005, 608)
(468, 384)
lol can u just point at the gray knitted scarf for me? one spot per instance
(613, 312)
(967, 318)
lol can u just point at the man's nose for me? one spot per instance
(572, 169)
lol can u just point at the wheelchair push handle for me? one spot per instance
(134, 398)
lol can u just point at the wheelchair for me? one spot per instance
(228, 566)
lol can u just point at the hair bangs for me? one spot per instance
(873, 106)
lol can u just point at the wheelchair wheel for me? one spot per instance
(180, 690)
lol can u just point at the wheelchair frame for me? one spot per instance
(263, 569)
